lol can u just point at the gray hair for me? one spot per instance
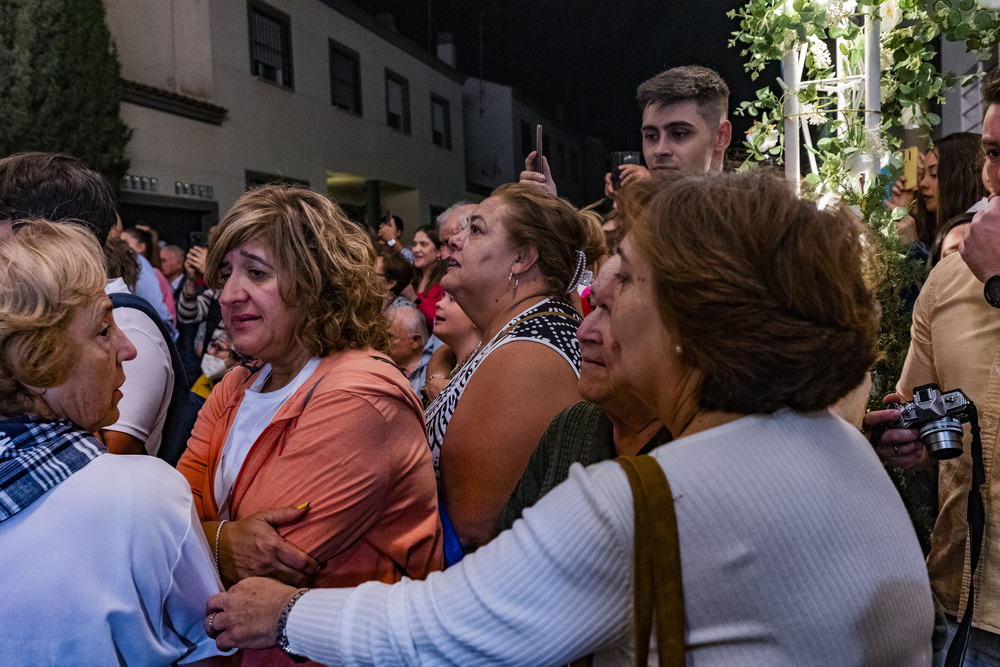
(448, 211)
(412, 319)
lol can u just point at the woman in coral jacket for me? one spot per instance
(310, 466)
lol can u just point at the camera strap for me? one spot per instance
(976, 516)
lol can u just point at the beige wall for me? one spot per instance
(199, 48)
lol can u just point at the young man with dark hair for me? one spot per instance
(684, 126)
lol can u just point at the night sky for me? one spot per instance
(583, 58)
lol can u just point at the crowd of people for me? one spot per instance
(464, 451)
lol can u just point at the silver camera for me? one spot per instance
(939, 418)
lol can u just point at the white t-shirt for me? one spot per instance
(252, 417)
(149, 378)
(109, 567)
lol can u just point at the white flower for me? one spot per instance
(877, 145)
(813, 114)
(770, 136)
(889, 88)
(910, 117)
(990, 4)
(885, 58)
(837, 11)
(891, 15)
(858, 165)
(820, 53)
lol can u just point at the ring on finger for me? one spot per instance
(895, 450)
(211, 622)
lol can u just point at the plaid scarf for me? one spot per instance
(36, 455)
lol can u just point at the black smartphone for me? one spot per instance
(618, 158)
(197, 238)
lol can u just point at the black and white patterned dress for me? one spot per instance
(551, 322)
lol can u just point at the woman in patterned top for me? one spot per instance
(511, 270)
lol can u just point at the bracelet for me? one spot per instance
(218, 534)
(282, 622)
(437, 375)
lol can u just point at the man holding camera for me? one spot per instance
(955, 344)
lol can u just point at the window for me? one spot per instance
(440, 122)
(345, 78)
(270, 44)
(397, 102)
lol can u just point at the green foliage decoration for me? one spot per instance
(60, 83)
(824, 29)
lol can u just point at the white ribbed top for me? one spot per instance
(796, 550)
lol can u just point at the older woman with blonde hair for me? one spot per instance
(103, 561)
(324, 422)
(741, 313)
(511, 270)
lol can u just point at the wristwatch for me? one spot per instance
(992, 291)
(391, 242)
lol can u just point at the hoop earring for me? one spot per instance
(516, 279)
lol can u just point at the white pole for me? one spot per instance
(873, 89)
(792, 76)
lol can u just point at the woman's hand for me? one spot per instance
(246, 616)
(251, 547)
(543, 179)
(194, 262)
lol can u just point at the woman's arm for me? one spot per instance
(439, 369)
(356, 457)
(252, 545)
(506, 407)
(518, 600)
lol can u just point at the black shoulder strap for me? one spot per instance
(184, 405)
(126, 300)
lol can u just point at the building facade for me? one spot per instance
(500, 133)
(223, 95)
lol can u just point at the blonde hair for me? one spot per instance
(326, 265)
(554, 228)
(48, 271)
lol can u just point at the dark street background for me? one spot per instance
(582, 59)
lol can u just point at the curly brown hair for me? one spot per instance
(48, 271)
(769, 294)
(326, 265)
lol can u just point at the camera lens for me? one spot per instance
(943, 438)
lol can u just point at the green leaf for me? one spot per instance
(934, 119)
(812, 179)
(966, 5)
(984, 20)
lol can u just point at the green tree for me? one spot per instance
(60, 83)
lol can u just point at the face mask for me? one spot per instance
(213, 367)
